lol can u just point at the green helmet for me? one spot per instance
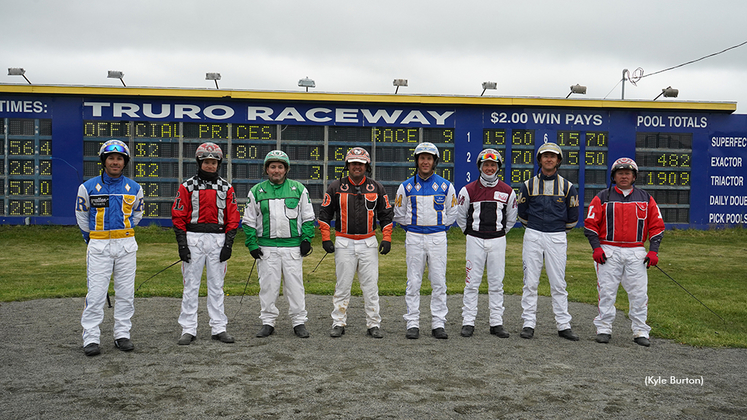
(277, 156)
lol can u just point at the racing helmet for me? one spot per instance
(114, 146)
(277, 156)
(489, 155)
(550, 147)
(358, 154)
(429, 148)
(208, 150)
(624, 163)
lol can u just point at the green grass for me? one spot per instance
(49, 262)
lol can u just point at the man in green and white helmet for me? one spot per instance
(279, 225)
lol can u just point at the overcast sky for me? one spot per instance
(536, 48)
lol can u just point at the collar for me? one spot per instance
(350, 180)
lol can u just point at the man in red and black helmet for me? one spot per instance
(619, 221)
(355, 202)
(205, 218)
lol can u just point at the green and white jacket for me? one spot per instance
(278, 215)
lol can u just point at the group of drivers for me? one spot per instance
(279, 224)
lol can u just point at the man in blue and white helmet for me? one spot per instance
(426, 207)
(279, 225)
(487, 212)
(107, 209)
(548, 209)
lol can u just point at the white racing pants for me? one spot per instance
(277, 263)
(422, 249)
(107, 259)
(624, 266)
(362, 256)
(205, 253)
(548, 248)
(479, 253)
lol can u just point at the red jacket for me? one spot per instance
(205, 206)
(625, 221)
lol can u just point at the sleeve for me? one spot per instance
(307, 216)
(400, 207)
(82, 207)
(523, 204)
(384, 213)
(181, 209)
(327, 212)
(511, 212)
(137, 214)
(572, 204)
(463, 202)
(452, 206)
(655, 226)
(233, 217)
(249, 223)
(592, 222)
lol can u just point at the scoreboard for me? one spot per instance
(690, 155)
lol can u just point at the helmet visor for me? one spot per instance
(111, 148)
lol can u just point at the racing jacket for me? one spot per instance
(109, 208)
(278, 215)
(625, 221)
(206, 206)
(425, 205)
(356, 209)
(548, 203)
(486, 212)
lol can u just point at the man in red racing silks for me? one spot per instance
(620, 219)
(355, 202)
(205, 218)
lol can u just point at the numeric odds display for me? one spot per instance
(27, 167)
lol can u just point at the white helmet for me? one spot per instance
(552, 148)
(114, 146)
(623, 163)
(491, 155)
(429, 148)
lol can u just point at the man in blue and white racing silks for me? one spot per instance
(548, 209)
(107, 209)
(487, 211)
(426, 207)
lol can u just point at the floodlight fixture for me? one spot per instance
(307, 83)
(214, 77)
(18, 71)
(398, 83)
(114, 74)
(488, 85)
(577, 89)
(668, 92)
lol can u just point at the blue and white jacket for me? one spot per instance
(109, 208)
(425, 205)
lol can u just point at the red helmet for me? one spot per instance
(623, 163)
(358, 154)
(209, 150)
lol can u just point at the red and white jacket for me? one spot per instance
(624, 221)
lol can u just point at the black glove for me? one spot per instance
(256, 253)
(305, 248)
(385, 247)
(328, 246)
(225, 253)
(184, 253)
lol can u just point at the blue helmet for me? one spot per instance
(114, 146)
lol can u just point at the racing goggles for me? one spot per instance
(114, 148)
(490, 156)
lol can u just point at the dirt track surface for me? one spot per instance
(45, 374)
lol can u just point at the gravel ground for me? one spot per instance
(45, 374)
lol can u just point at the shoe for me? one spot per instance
(300, 331)
(603, 338)
(124, 344)
(642, 341)
(92, 349)
(337, 331)
(413, 333)
(439, 333)
(266, 331)
(467, 330)
(499, 331)
(568, 334)
(375, 332)
(527, 332)
(223, 337)
(185, 339)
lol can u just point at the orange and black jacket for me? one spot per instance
(355, 209)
